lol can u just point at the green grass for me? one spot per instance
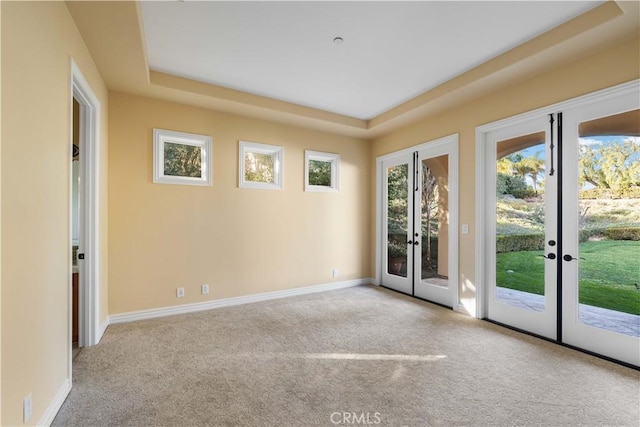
(609, 274)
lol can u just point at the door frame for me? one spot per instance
(450, 143)
(481, 141)
(90, 330)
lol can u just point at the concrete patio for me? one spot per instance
(624, 323)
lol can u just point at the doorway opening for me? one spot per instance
(75, 229)
(84, 213)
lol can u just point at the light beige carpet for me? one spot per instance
(347, 357)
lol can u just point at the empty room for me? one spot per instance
(319, 213)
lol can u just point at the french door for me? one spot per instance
(522, 243)
(419, 217)
(562, 204)
(598, 247)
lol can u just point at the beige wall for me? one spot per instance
(612, 66)
(0, 217)
(239, 241)
(38, 42)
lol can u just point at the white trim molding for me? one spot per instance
(56, 404)
(481, 306)
(104, 326)
(89, 244)
(230, 302)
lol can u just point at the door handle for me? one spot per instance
(550, 256)
(416, 243)
(551, 146)
(410, 242)
(568, 257)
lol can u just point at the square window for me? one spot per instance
(261, 166)
(181, 158)
(321, 171)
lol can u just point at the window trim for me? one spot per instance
(332, 158)
(163, 136)
(276, 151)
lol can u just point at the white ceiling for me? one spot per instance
(392, 51)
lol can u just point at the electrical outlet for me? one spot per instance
(335, 272)
(27, 405)
(205, 289)
(179, 292)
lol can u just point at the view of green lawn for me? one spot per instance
(608, 220)
(609, 274)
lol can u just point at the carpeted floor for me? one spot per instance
(357, 356)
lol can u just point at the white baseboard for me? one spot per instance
(228, 302)
(103, 329)
(56, 404)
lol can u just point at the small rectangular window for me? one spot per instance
(321, 171)
(261, 166)
(181, 158)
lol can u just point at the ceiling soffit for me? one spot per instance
(114, 34)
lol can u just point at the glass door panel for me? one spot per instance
(520, 221)
(397, 219)
(609, 222)
(520, 227)
(398, 224)
(436, 226)
(434, 221)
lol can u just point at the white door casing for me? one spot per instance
(90, 329)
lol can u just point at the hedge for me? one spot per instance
(609, 193)
(626, 233)
(519, 242)
(524, 194)
(585, 235)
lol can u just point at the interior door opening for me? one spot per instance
(90, 326)
(75, 229)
